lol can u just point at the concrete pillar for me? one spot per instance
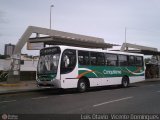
(14, 73)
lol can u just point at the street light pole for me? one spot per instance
(125, 35)
(126, 39)
(50, 16)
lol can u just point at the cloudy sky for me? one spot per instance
(100, 18)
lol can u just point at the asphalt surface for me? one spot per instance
(138, 98)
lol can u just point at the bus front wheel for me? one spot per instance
(125, 82)
(82, 85)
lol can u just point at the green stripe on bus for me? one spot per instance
(109, 71)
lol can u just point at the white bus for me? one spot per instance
(81, 68)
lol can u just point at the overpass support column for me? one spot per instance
(14, 73)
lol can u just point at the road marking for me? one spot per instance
(150, 85)
(112, 101)
(8, 101)
(61, 95)
(38, 98)
(147, 86)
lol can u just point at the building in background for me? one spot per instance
(9, 48)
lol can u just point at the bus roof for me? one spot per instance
(95, 50)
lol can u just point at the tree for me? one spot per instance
(4, 56)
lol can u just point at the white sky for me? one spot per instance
(100, 18)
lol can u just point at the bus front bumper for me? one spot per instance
(47, 84)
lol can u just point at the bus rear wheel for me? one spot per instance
(82, 85)
(125, 82)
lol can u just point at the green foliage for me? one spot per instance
(3, 76)
(147, 60)
(4, 56)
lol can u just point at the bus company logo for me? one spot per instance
(112, 72)
(4, 116)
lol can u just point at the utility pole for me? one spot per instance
(50, 25)
(126, 39)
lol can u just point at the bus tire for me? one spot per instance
(125, 82)
(82, 85)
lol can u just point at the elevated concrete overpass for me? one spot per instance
(55, 37)
(50, 37)
(140, 49)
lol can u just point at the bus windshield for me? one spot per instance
(48, 61)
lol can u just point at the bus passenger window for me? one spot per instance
(68, 61)
(139, 61)
(93, 58)
(122, 60)
(131, 60)
(100, 59)
(97, 58)
(111, 59)
(83, 57)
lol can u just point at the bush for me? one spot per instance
(3, 76)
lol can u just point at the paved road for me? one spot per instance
(139, 98)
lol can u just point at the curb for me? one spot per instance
(9, 85)
(150, 80)
(40, 89)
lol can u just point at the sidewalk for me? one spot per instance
(28, 86)
(152, 80)
(22, 86)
